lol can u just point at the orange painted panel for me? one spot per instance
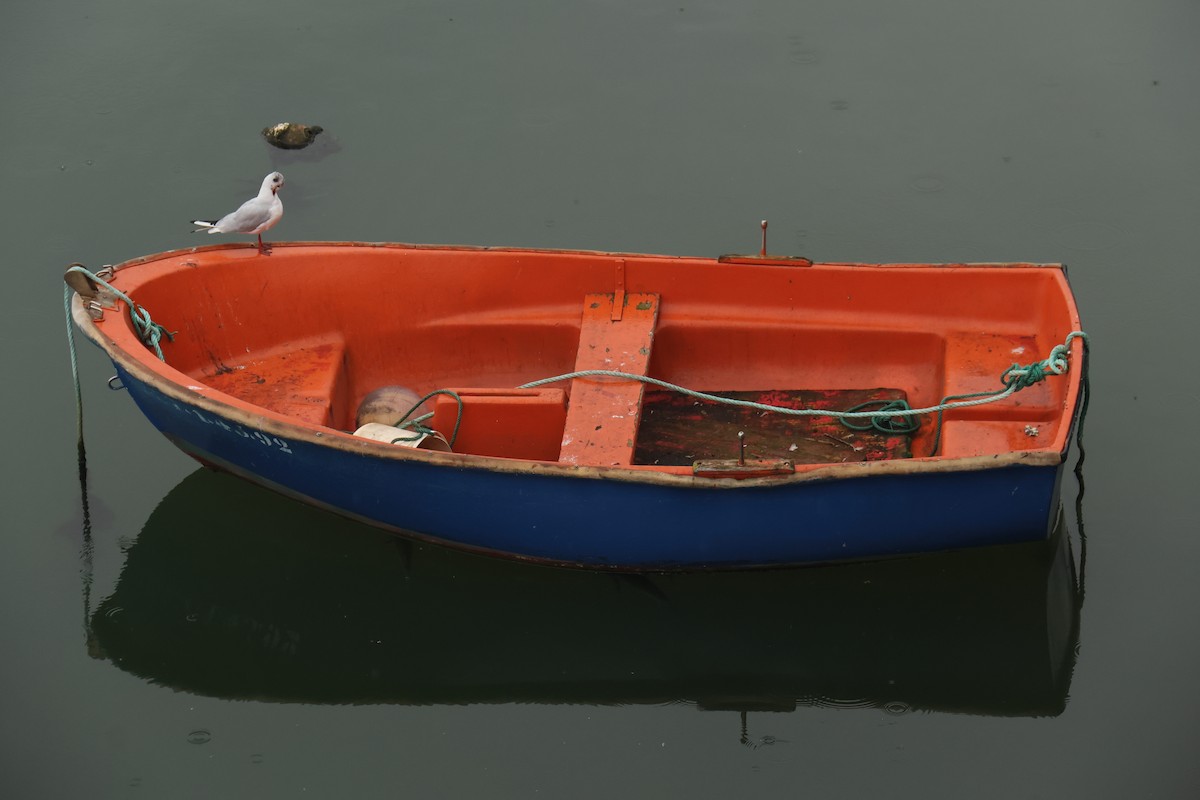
(304, 380)
(505, 423)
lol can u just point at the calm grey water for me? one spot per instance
(216, 641)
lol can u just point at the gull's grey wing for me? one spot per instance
(249, 216)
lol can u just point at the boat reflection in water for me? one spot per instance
(233, 592)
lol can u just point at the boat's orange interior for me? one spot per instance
(308, 331)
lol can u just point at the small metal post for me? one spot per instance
(741, 448)
(763, 253)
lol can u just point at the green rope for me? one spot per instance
(730, 401)
(416, 425)
(87, 548)
(886, 425)
(1085, 391)
(149, 332)
(74, 364)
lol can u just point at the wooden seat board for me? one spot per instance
(603, 413)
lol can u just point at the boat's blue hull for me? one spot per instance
(622, 524)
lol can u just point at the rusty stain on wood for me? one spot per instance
(677, 430)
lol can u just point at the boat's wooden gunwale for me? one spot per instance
(768, 261)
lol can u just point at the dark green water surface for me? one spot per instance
(206, 639)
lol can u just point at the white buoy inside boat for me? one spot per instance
(405, 438)
(387, 405)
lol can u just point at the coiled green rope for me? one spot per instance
(416, 423)
(149, 331)
(882, 424)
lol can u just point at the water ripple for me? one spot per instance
(928, 184)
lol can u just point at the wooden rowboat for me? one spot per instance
(560, 371)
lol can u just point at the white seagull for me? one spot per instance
(254, 216)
